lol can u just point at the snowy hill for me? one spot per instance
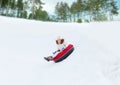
(24, 43)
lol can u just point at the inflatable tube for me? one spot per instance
(63, 54)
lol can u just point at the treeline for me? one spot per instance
(29, 9)
(80, 10)
(87, 10)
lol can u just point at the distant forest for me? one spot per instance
(78, 11)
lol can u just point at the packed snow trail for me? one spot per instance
(24, 43)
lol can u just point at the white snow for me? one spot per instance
(24, 43)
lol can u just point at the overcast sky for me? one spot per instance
(50, 4)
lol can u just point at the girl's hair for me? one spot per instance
(61, 42)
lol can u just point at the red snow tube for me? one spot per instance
(63, 54)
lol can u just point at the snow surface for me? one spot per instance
(24, 43)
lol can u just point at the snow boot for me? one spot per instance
(48, 58)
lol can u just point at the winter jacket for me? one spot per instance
(61, 46)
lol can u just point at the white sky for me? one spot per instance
(50, 4)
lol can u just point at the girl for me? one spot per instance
(60, 46)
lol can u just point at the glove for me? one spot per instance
(54, 52)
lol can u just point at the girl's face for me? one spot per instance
(59, 41)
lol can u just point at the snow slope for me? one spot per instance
(24, 43)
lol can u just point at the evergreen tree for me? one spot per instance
(25, 8)
(0, 7)
(113, 10)
(34, 6)
(73, 10)
(57, 10)
(89, 8)
(19, 7)
(80, 8)
(66, 11)
(0, 3)
(62, 10)
(3, 6)
(8, 7)
(44, 16)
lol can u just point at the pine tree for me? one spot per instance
(25, 7)
(19, 7)
(0, 3)
(73, 10)
(80, 8)
(3, 6)
(113, 10)
(8, 6)
(62, 10)
(34, 4)
(0, 7)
